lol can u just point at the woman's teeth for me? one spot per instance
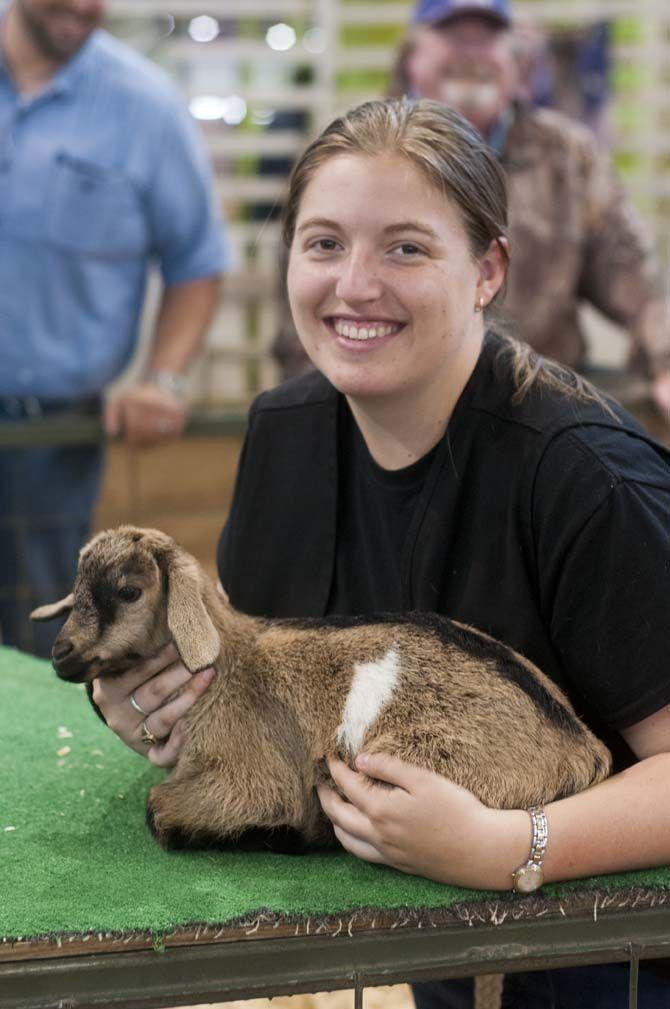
(370, 332)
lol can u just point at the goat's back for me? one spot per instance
(443, 696)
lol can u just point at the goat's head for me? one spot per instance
(135, 589)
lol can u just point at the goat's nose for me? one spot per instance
(61, 649)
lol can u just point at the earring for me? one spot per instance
(479, 307)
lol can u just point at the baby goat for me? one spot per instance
(287, 693)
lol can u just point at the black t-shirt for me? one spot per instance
(374, 518)
(544, 523)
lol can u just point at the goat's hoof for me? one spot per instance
(167, 835)
(175, 836)
(169, 838)
(152, 821)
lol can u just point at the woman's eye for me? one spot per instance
(408, 249)
(324, 245)
(129, 593)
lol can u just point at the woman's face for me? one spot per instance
(381, 278)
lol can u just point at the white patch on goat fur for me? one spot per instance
(371, 689)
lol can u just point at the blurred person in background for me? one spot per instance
(101, 173)
(573, 230)
(575, 234)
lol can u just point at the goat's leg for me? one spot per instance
(208, 810)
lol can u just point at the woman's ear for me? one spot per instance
(52, 610)
(194, 634)
(492, 270)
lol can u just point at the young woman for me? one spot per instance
(432, 465)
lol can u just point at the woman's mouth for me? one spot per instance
(362, 331)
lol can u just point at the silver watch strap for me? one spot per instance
(168, 380)
(538, 845)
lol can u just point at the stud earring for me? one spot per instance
(479, 307)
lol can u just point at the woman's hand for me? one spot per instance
(152, 683)
(425, 825)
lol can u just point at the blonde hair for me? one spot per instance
(457, 160)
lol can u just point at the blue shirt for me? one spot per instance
(100, 174)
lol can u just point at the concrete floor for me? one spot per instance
(487, 996)
(396, 997)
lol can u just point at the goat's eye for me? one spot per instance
(129, 593)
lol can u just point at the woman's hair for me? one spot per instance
(457, 161)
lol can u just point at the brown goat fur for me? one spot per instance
(431, 691)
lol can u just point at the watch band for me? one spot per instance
(168, 380)
(540, 834)
(529, 876)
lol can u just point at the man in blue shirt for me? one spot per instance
(101, 173)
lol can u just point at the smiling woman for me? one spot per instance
(386, 280)
(396, 223)
(384, 297)
(433, 465)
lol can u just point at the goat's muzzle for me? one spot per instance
(67, 661)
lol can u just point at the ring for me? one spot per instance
(148, 737)
(136, 706)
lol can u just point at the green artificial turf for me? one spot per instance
(76, 857)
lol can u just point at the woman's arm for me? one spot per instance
(429, 826)
(623, 823)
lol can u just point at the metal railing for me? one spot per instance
(241, 966)
(72, 429)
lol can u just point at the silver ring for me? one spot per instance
(138, 709)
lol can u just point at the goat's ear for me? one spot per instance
(190, 624)
(52, 610)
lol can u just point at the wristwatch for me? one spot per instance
(168, 380)
(530, 876)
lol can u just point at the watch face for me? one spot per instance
(528, 878)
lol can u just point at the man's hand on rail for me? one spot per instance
(144, 414)
(164, 689)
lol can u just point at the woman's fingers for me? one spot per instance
(148, 668)
(166, 752)
(357, 847)
(155, 692)
(112, 692)
(343, 814)
(353, 828)
(392, 770)
(162, 721)
(360, 790)
(163, 691)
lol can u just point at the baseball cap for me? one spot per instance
(434, 11)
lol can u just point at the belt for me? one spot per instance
(31, 407)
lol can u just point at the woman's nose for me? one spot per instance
(358, 280)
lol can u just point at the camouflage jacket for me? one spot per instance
(574, 237)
